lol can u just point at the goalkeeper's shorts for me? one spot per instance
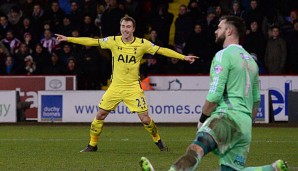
(232, 134)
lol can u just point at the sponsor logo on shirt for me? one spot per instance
(127, 59)
(104, 39)
(246, 57)
(218, 69)
(240, 160)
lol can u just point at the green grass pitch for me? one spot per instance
(55, 147)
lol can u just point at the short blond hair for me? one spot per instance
(128, 18)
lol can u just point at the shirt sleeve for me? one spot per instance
(219, 71)
(256, 88)
(150, 47)
(107, 42)
(87, 41)
(170, 53)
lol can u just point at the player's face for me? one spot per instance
(127, 29)
(220, 33)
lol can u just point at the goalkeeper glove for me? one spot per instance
(203, 118)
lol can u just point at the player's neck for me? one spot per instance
(127, 39)
(229, 42)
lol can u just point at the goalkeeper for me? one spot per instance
(232, 102)
(127, 52)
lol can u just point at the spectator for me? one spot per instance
(255, 41)
(276, 52)
(133, 9)
(27, 8)
(292, 43)
(183, 26)
(110, 19)
(153, 37)
(47, 26)
(90, 7)
(91, 69)
(253, 13)
(30, 66)
(145, 82)
(14, 17)
(26, 28)
(20, 55)
(49, 42)
(76, 14)
(98, 19)
(218, 12)
(56, 15)
(75, 33)
(236, 10)
(196, 45)
(11, 42)
(3, 54)
(4, 26)
(67, 27)
(293, 16)
(272, 18)
(151, 66)
(41, 57)
(209, 25)
(76, 48)
(55, 66)
(161, 21)
(65, 53)
(71, 67)
(174, 66)
(4, 49)
(88, 29)
(9, 66)
(289, 22)
(195, 11)
(5, 6)
(65, 6)
(38, 18)
(28, 41)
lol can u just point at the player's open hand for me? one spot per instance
(191, 59)
(60, 37)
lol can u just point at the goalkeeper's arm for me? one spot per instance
(208, 108)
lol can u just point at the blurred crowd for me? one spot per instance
(28, 45)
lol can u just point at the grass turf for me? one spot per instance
(55, 147)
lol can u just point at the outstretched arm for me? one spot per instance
(87, 41)
(170, 53)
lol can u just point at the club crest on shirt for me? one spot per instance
(104, 39)
(218, 69)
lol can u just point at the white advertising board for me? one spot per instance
(164, 106)
(278, 87)
(28, 86)
(8, 106)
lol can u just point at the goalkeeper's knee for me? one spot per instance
(205, 141)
